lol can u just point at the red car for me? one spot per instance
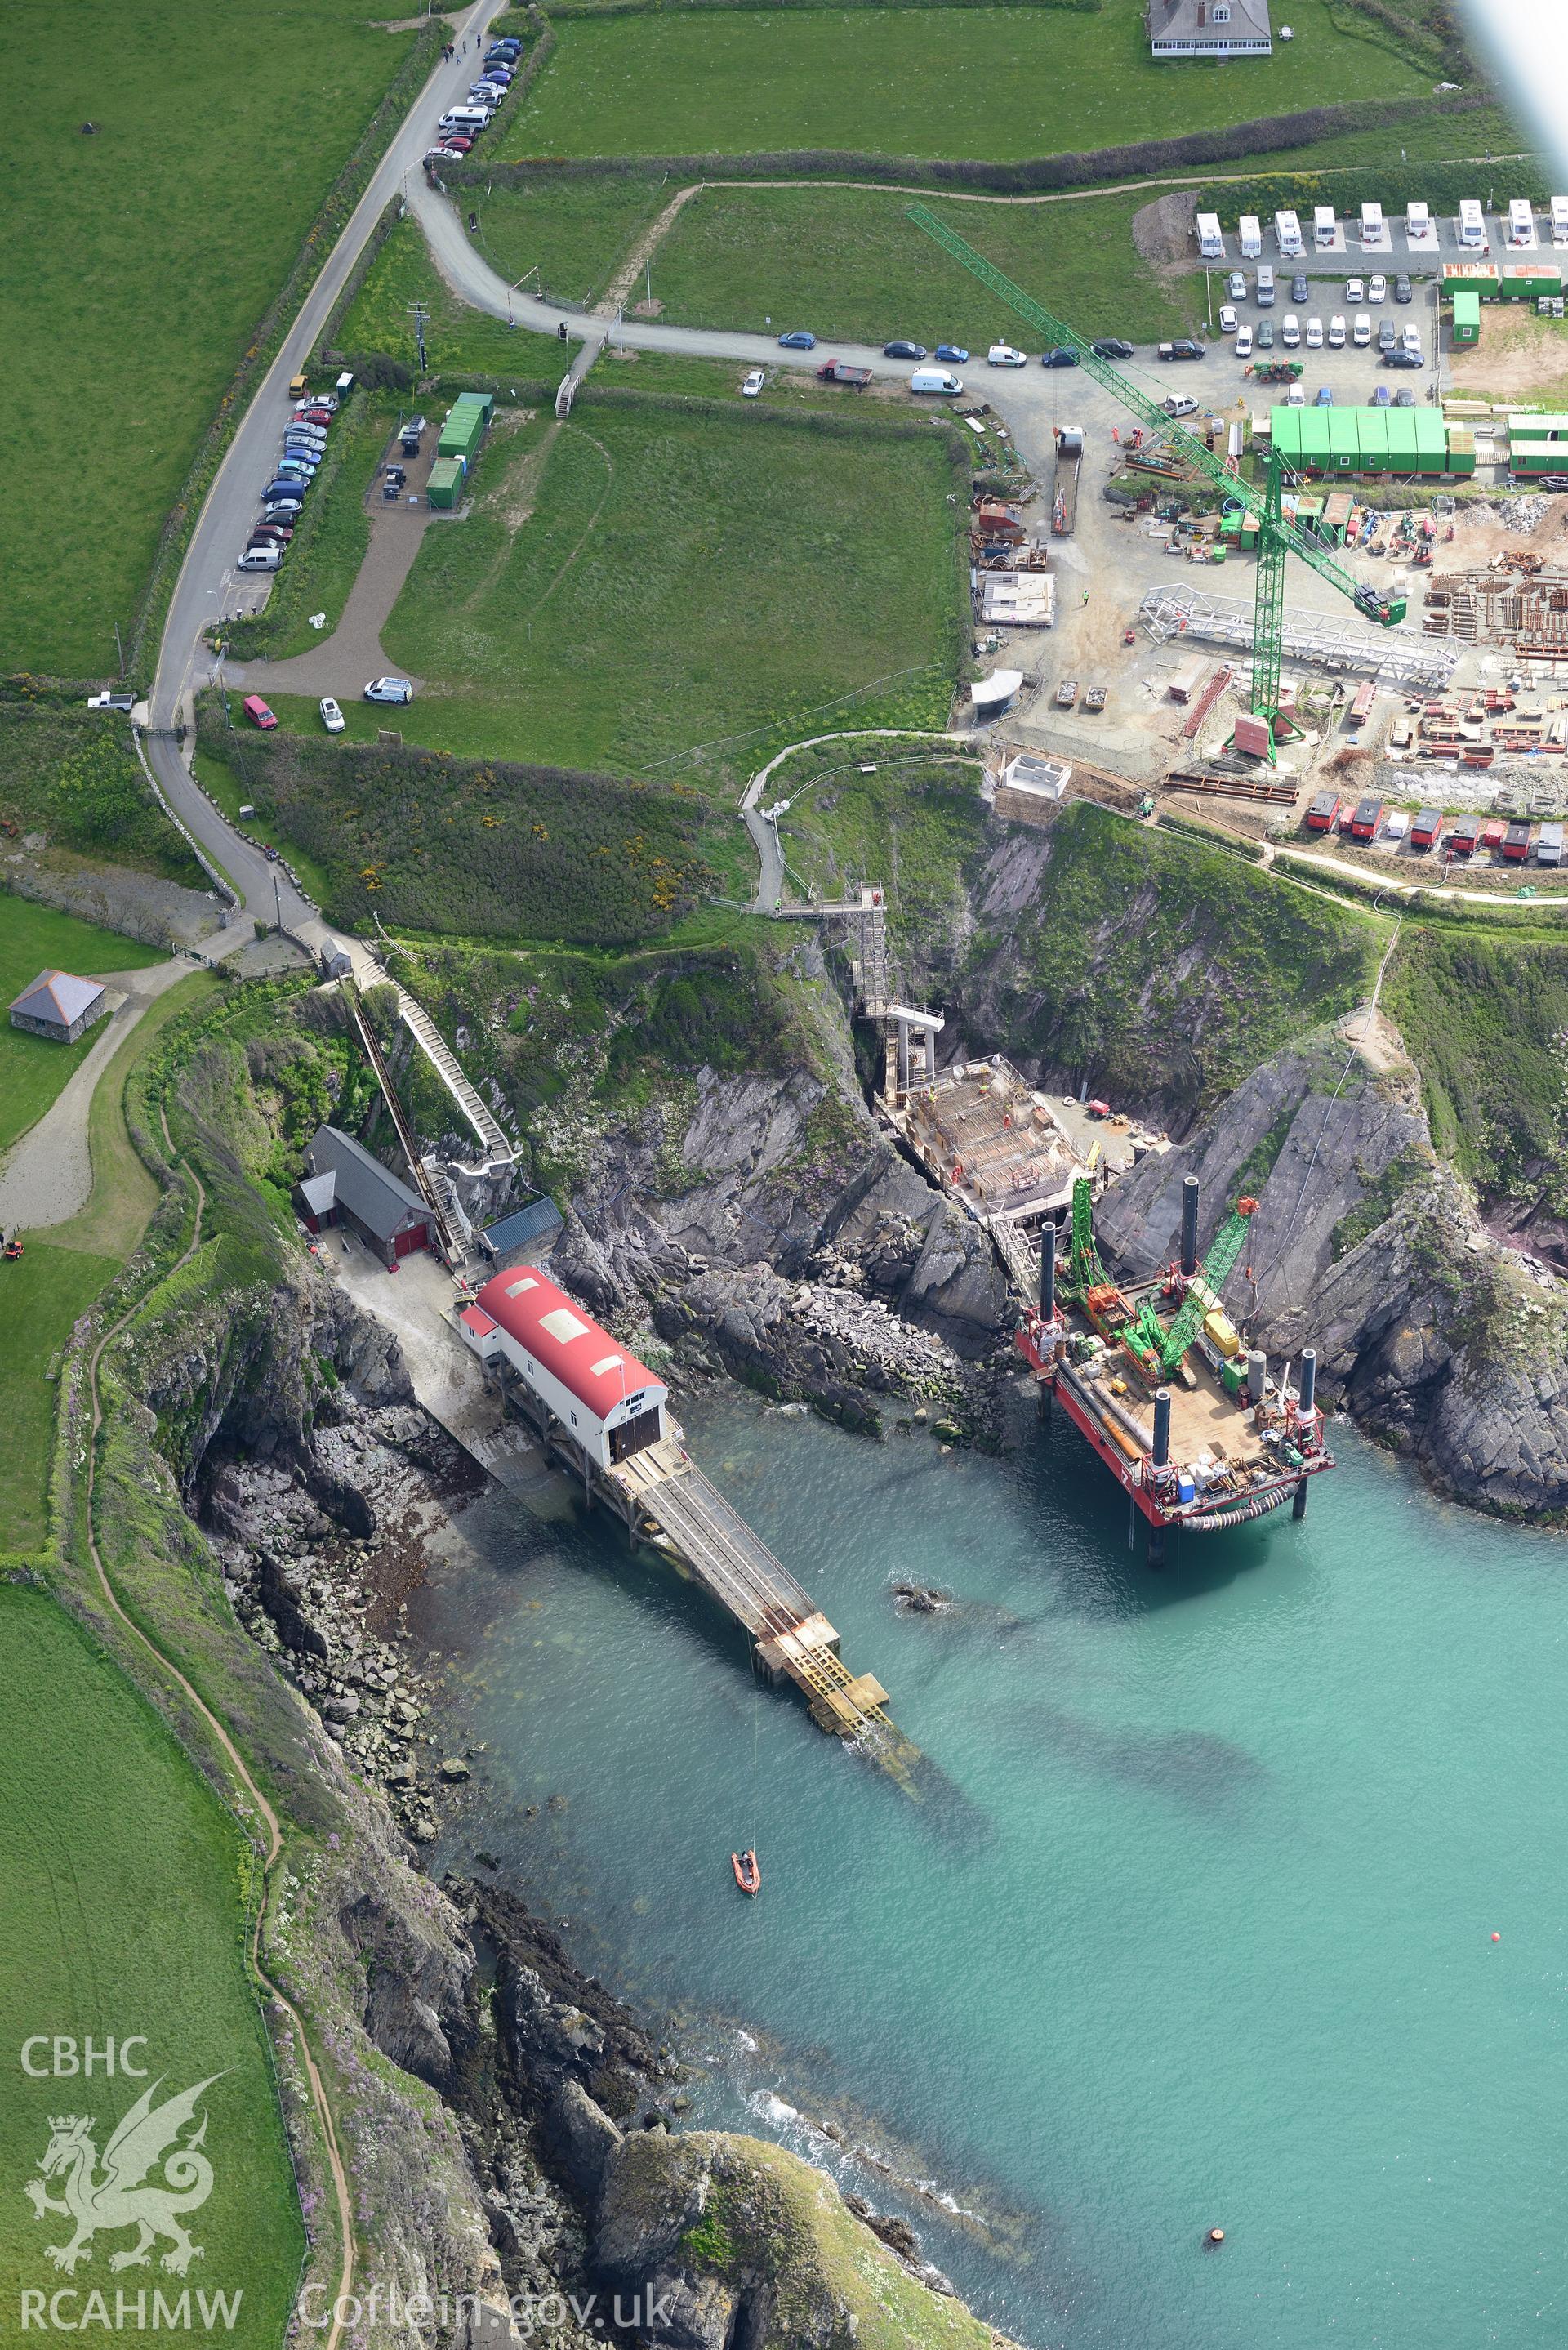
(322, 416)
(458, 145)
(258, 713)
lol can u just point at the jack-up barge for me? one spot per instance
(1153, 1374)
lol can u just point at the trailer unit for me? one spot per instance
(1288, 235)
(1211, 242)
(1472, 225)
(1250, 236)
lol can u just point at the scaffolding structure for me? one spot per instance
(1320, 639)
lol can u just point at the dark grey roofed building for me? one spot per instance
(58, 1006)
(1209, 29)
(344, 1184)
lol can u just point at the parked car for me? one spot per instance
(257, 711)
(752, 385)
(331, 716)
(316, 417)
(903, 350)
(1409, 339)
(1265, 335)
(263, 557)
(459, 143)
(283, 485)
(1111, 347)
(1184, 347)
(1227, 319)
(1005, 355)
(1380, 395)
(1403, 360)
(1179, 404)
(1324, 396)
(1243, 342)
(939, 380)
(281, 531)
(1289, 330)
(1059, 355)
(1299, 292)
(1354, 293)
(1314, 334)
(1361, 332)
(1402, 288)
(284, 504)
(798, 339)
(389, 688)
(1336, 332)
(954, 353)
(1378, 288)
(1296, 397)
(305, 444)
(1404, 396)
(1236, 285)
(1387, 335)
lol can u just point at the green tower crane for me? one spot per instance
(1276, 537)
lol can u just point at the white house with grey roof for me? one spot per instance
(1209, 29)
(58, 1006)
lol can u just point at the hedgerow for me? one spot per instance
(73, 775)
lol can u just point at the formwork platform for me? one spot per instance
(991, 1139)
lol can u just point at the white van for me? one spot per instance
(1210, 244)
(1520, 223)
(1314, 335)
(1324, 227)
(935, 380)
(1289, 330)
(1251, 236)
(1362, 332)
(1288, 235)
(1335, 332)
(260, 558)
(1265, 288)
(1243, 342)
(1417, 223)
(469, 119)
(1472, 225)
(1004, 355)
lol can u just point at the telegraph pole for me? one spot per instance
(119, 649)
(421, 316)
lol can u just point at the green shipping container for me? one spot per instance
(461, 435)
(1519, 284)
(1538, 428)
(445, 484)
(1461, 452)
(1372, 427)
(1315, 444)
(482, 399)
(1431, 441)
(1285, 430)
(1344, 440)
(1467, 316)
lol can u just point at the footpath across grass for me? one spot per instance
(648, 577)
(849, 264)
(123, 1885)
(33, 1069)
(1000, 84)
(138, 260)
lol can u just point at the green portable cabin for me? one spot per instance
(1461, 450)
(1315, 447)
(1518, 284)
(1467, 316)
(484, 401)
(1250, 529)
(1476, 277)
(1538, 428)
(1400, 423)
(461, 435)
(1372, 429)
(1527, 456)
(1431, 441)
(1285, 431)
(1344, 442)
(445, 486)
(1337, 513)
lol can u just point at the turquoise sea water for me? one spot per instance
(1192, 1927)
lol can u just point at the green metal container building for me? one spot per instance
(1467, 316)
(1538, 428)
(1344, 440)
(1518, 283)
(1461, 452)
(1316, 445)
(1285, 430)
(1372, 427)
(461, 435)
(445, 484)
(1431, 441)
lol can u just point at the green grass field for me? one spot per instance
(41, 1295)
(848, 263)
(1001, 84)
(35, 939)
(138, 263)
(640, 581)
(572, 231)
(121, 1885)
(458, 341)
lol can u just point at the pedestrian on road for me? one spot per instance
(1085, 599)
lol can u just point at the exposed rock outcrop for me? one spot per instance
(1444, 1343)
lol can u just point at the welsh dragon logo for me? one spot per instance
(120, 2195)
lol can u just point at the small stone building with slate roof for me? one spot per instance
(1209, 29)
(58, 1006)
(343, 1184)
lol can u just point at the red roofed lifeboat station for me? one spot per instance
(613, 1405)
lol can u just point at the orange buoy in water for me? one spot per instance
(1213, 2240)
(1497, 1937)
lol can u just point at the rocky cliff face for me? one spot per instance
(1445, 1343)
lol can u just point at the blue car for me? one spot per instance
(798, 340)
(1060, 357)
(1380, 395)
(1324, 397)
(953, 352)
